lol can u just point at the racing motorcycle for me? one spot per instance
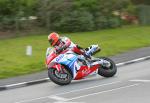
(67, 66)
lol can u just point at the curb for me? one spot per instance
(133, 61)
(24, 84)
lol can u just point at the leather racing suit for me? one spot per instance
(65, 42)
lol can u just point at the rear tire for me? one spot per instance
(105, 71)
(52, 74)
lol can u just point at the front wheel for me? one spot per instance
(107, 71)
(63, 77)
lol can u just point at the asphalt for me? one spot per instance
(130, 85)
(123, 57)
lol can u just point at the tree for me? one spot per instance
(13, 10)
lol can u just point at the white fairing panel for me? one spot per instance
(49, 51)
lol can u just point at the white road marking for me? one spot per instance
(23, 101)
(78, 90)
(67, 102)
(17, 84)
(23, 83)
(58, 98)
(134, 60)
(140, 80)
(104, 91)
(61, 99)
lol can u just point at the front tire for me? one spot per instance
(105, 71)
(57, 77)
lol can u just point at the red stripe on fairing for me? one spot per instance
(57, 66)
(50, 58)
(84, 71)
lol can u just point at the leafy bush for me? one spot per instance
(7, 23)
(114, 22)
(76, 21)
(64, 15)
(81, 15)
(11, 10)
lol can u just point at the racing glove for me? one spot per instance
(60, 49)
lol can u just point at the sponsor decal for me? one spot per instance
(59, 57)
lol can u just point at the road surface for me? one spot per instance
(130, 85)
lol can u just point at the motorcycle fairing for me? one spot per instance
(68, 59)
(84, 71)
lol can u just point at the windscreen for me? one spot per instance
(49, 51)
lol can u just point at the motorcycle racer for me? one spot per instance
(66, 62)
(62, 43)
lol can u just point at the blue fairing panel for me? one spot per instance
(70, 63)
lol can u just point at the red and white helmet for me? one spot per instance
(53, 38)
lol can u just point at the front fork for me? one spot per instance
(57, 66)
(60, 71)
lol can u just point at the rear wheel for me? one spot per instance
(63, 77)
(107, 71)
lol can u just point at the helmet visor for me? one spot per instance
(51, 41)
